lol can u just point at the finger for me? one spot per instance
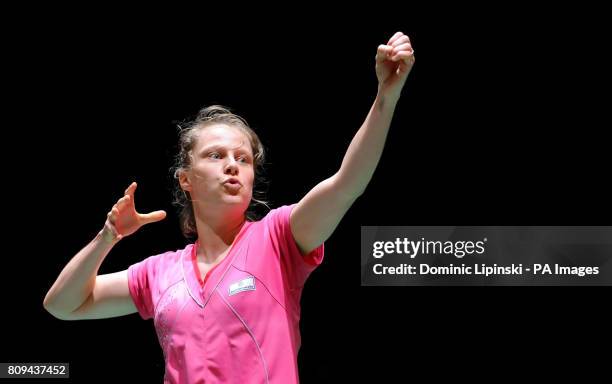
(383, 52)
(130, 190)
(112, 215)
(396, 36)
(402, 40)
(153, 216)
(405, 56)
(405, 66)
(402, 47)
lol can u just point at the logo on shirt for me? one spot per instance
(247, 284)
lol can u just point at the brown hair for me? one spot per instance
(188, 134)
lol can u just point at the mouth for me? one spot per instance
(232, 185)
(232, 181)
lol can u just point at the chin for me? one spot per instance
(236, 200)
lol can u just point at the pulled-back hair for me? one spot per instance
(188, 135)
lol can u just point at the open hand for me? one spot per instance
(123, 220)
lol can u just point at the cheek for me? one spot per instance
(251, 178)
(204, 174)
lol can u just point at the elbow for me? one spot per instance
(55, 312)
(58, 315)
(49, 308)
(47, 303)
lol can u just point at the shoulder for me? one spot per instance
(168, 257)
(277, 216)
(167, 263)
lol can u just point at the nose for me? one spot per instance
(231, 168)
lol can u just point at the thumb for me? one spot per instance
(382, 53)
(153, 216)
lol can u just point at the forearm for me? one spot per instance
(366, 148)
(76, 281)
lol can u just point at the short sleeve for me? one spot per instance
(141, 281)
(296, 266)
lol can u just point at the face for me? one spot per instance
(222, 173)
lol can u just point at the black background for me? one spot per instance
(500, 123)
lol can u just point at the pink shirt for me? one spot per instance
(240, 325)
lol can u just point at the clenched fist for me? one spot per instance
(394, 61)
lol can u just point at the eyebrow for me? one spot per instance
(221, 147)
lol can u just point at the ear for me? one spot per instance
(185, 180)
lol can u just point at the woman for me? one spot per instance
(226, 308)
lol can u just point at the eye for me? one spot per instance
(246, 158)
(214, 155)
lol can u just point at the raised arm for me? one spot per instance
(316, 216)
(78, 293)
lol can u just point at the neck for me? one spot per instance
(216, 233)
